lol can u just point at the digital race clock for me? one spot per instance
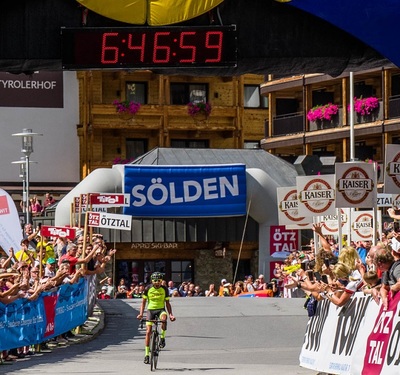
(148, 47)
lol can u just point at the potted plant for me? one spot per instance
(322, 112)
(126, 106)
(365, 106)
(199, 108)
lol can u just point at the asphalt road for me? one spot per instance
(213, 336)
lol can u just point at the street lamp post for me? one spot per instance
(27, 149)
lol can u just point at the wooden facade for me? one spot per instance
(103, 132)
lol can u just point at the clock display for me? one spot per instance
(147, 47)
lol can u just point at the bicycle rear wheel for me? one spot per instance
(154, 350)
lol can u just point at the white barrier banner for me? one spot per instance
(10, 227)
(358, 338)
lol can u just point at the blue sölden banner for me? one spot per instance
(186, 191)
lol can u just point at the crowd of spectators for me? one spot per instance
(359, 266)
(42, 264)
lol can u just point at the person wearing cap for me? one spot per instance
(103, 293)
(388, 262)
(221, 287)
(157, 299)
(50, 269)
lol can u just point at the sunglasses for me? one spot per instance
(157, 281)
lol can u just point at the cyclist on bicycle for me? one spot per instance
(157, 298)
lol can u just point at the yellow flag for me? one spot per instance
(154, 12)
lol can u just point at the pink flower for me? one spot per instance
(126, 106)
(322, 112)
(195, 108)
(365, 106)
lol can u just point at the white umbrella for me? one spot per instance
(280, 254)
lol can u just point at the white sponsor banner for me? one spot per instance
(355, 185)
(362, 225)
(358, 338)
(10, 226)
(300, 226)
(288, 207)
(330, 223)
(110, 200)
(112, 221)
(316, 195)
(385, 200)
(392, 169)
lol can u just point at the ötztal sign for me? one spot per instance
(112, 221)
(316, 195)
(288, 207)
(356, 185)
(66, 232)
(392, 169)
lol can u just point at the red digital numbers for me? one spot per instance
(148, 47)
(139, 47)
(184, 46)
(214, 41)
(161, 53)
(112, 52)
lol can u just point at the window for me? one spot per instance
(135, 148)
(251, 144)
(137, 92)
(188, 143)
(183, 93)
(252, 97)
(181, 271)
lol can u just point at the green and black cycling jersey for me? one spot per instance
(156, 297)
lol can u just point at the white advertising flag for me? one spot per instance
(362, 225)
(330, 223)
(356, 185)
(112, 221)
(288, 207)
(316, 195)
(10, 226)
(392, 169)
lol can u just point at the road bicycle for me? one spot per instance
(154, 341)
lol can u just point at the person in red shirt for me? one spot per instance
(70, 256)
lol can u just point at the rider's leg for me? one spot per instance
(147, 339)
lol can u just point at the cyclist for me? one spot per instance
(156, 297)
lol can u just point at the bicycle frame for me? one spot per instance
(154, 342)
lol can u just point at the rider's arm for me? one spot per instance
(169, 309)
(142, 307)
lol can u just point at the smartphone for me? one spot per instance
(324, 279)
(303, 266)
(317, 276)
(326, 262)
(310, 275)
(39, 225)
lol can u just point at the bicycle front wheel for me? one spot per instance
(154, 350)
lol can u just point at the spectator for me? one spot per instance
(25, 254)
(171, 287)
(198, 292)
(263, 283)
(239, 288)
(110, 288)
(35, 206)
(31, 235)
(103, 293)
(211, 292)
(249, 284)
(388, 261)
(50, 269)
(48, 201)
(73, 260)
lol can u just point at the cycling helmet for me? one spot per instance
(156, 276)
